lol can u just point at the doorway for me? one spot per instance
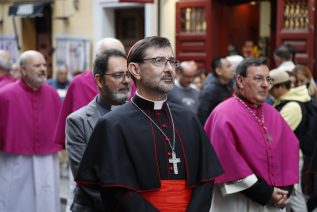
(129, 26)
(236, 27)
(37, 35)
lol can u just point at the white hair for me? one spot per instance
(5, 61)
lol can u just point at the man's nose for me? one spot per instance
(168, 64)
(43, 67)
(126, 79)
(266, 83)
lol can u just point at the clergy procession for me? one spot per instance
(141, 135)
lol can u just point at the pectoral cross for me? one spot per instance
(268, 137)
(174, 160)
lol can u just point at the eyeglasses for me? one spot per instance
(120, 75)
(260, 79)
(162, 61)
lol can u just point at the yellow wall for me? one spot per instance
(28, 36)
(168, 15)
(6, 25)
(79, 22)
(265, 19)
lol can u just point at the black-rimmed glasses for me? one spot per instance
(261, 79)
(120, 75)
(162, 61)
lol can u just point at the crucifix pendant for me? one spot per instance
(174, 160)
(268, 137)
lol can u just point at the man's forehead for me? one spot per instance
(36, 57)
(261, 69)
(117, 62)
(224, 61)
(118, 59)
(188, 68)
(159, 51)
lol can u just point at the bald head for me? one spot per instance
(26, 56)
(61, 74)
(109, 43)
(33, 68)
(189, 66)
(5, 61)
(186, 73)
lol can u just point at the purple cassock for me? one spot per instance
(6, 79)
(244, 148)
(28, 119)
(80, 92)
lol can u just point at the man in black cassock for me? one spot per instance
(149, 154)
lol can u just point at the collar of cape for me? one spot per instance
(145, 103)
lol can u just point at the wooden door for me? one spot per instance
(44, 37)
(296, 26)
(193, 32)
(37, 35)
(129, 26)
(205, 29)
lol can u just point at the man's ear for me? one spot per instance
(99, 80)
(134, 69)
(218, 71)
(22, 71)
(239, 81)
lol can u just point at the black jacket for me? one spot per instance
(212, 94)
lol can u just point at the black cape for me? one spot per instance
(124, 150)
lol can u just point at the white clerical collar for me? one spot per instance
(157, 104)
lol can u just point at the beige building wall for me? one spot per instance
(67, 20)
(6, 23)
(89, 20)
(79, 21)
(168, 20)
(6, 27)
(73, 20)
(265, 19)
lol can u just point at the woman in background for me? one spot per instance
(303, 76)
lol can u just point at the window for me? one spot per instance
(193, 20)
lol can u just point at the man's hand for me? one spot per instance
(279, 198)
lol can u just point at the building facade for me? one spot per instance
(66, 30)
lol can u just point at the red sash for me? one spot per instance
(173, 196)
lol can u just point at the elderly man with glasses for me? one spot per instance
(256, 147)
(142, 156)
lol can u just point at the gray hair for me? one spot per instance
(5, 65)
(101, 64)
(5, 62)
(25, 56)
(24, 59)
(242, 68)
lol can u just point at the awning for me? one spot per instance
(138, 1)
(28, 9)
